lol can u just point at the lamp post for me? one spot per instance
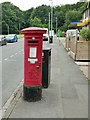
(51, 37)
(49, 25)
(56, 26)
(8, 29)
(19, 28)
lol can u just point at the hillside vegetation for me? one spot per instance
(15, 18)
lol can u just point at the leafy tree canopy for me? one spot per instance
(17, 19)
(36, 22)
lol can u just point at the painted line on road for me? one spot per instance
(12, 56)
(6, 59)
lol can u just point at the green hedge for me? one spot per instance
(85, 33)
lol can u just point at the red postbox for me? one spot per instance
(33, 39)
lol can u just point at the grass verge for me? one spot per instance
(18, 35)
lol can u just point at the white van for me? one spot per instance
(45, 36)
(73, 31)
(51, 34)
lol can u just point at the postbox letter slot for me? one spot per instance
(32, 41)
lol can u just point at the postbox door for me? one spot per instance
(34, 65)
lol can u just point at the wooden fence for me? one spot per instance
(79, 49)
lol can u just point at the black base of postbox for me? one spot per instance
(50, 39)
(32, 94)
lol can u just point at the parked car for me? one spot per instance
(3, 40)
(12, 38)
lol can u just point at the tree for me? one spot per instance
(27, 15)
(4, 27)
(12, 16)
(42, 13)
(36, 22)
(83, 7)
(61, 18)
(83, 0)
(72, 16)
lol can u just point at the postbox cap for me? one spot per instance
(33, 30)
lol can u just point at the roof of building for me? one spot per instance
(73, 24)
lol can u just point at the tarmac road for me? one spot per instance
(12, 63)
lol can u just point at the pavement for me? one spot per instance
(67, 94)
(83, 66)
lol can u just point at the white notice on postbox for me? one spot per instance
(32, 60)
(33, 52)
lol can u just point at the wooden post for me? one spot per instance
(76, 43)
(71, 42)
(68, 42)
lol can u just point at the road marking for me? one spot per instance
(11, 56)
(6, 59)
(15, 53)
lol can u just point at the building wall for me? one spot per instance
(86, 15)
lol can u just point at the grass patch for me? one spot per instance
(5, 35)
(20, 36)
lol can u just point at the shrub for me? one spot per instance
(88, 36)
(85, 33)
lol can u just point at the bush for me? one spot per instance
(88, 36)
(85, 33)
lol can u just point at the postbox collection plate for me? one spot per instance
(33, 52)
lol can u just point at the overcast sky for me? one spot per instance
(26, 4)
